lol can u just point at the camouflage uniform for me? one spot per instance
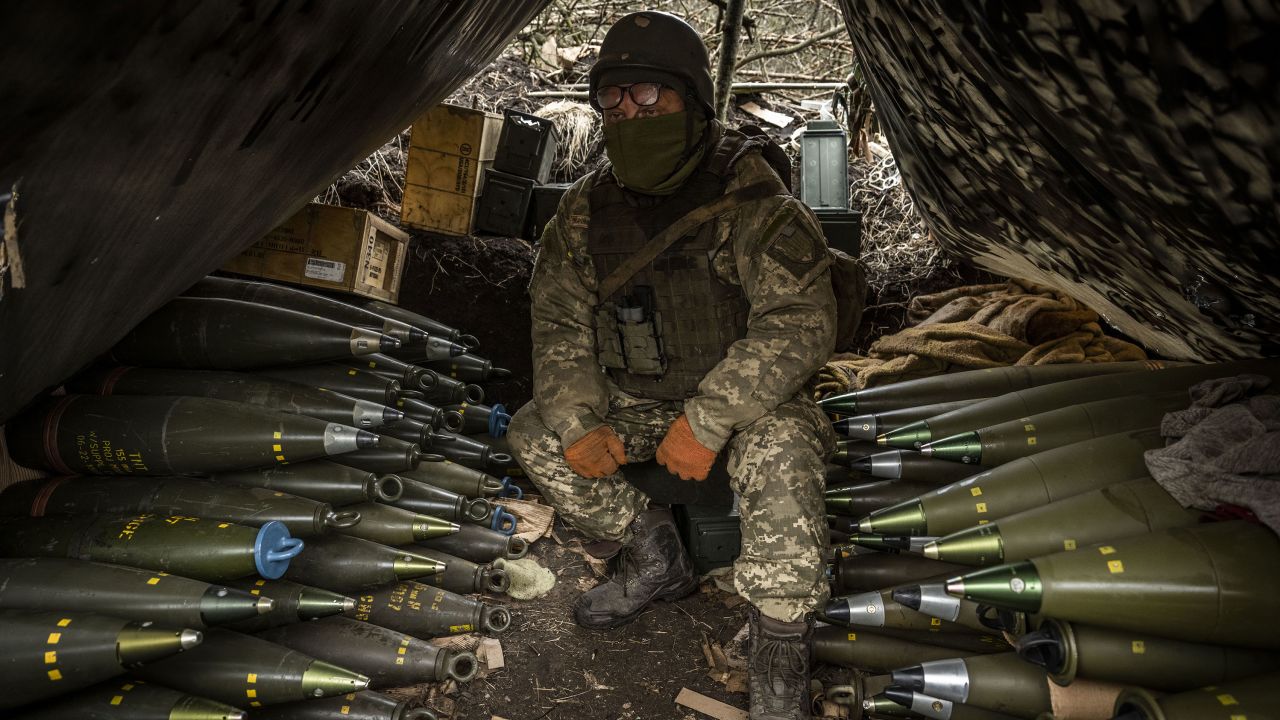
(750, 402)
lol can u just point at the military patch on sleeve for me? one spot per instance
(793, 245)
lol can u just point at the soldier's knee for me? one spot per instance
(792, 427)
(780, 431)
(525, 429)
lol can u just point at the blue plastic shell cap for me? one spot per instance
(274, 548)
(503, 521)
(498, 421)
(510, 489)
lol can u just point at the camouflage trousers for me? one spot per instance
(776, 465)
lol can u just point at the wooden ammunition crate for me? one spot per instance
(331, 247)
(449, 148)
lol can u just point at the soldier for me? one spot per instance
(680, 300)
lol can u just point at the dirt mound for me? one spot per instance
(479, 285)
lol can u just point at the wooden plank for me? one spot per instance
(709, 706)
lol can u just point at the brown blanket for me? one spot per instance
(980, 326)
(1227, 449)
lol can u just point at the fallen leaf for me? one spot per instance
(736, 682)
(593, 683)
(706, 652)
(548, 53)
(717, 652)
(569, 56)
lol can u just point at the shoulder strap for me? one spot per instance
(678, 229)
(774, 155)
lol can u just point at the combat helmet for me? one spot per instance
(652, 45)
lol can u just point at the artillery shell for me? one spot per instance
(232, 667)
(52, 653)
(346, 564)
(389, 658)
(81, 586)
(424, 611)
(163, 435)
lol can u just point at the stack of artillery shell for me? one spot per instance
(1046, 532)
(250, 434)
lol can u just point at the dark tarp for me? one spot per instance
(1124, 152)
(152, 140)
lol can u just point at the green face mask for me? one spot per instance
(646, 152)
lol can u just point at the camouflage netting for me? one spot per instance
(1123, 152)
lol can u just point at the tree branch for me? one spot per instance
(731, 28)
(748, 23)
(787, 50)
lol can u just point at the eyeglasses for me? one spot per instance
(643, 94)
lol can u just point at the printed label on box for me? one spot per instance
(374, 272)
(328, 270)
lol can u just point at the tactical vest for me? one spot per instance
(674, 320)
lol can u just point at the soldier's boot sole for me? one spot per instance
(603, 621)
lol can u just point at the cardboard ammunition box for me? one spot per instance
(449, 149)
(712, 535)
(504, 204)
(330, 247)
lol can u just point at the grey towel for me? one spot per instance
(1227, 448)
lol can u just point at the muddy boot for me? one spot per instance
(653, 566)
(778, 667)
